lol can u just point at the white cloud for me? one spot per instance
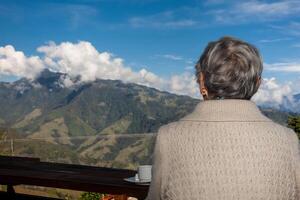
(184, 84)
(206, 13)
(145, 22)
(273, 94)
(274, 40)
(84, 60)
(66, 81)
(296, 86)
(79, 14)
(81, 59)
(15, 63)
(190, 62)
(189, 67)
(296, 45)
(272, 9)
(283, 67)
(167, 19)
(170, 57)
(291, 28)
(240, 12)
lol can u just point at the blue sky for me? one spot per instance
(164, 37)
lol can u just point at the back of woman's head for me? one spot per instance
(231, 68)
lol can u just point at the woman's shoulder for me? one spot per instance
(174, 128)
(293, 137)
(184, 126)
(286, 131)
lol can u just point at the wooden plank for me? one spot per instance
(76, 177)
(93, 185)
(68, 168)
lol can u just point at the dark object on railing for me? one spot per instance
(67, 176)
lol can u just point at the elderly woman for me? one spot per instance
(226, 148)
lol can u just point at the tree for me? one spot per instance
(294, 123)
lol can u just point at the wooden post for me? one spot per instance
(10, 189)
(12, 147)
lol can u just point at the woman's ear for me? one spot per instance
(201, 79)
(258, 81)
(203, 89)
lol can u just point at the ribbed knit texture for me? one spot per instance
(225, 149)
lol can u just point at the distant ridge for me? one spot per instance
(70, 119)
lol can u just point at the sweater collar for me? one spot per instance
(227, 110)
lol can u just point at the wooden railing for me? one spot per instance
(31, 171)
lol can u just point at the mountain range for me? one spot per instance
(104, 122)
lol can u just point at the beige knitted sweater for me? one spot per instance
(225, 149)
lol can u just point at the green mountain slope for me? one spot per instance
(103, 123)
(86, 120)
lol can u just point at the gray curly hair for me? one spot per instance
(231, 68)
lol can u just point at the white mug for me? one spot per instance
(144, 172)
